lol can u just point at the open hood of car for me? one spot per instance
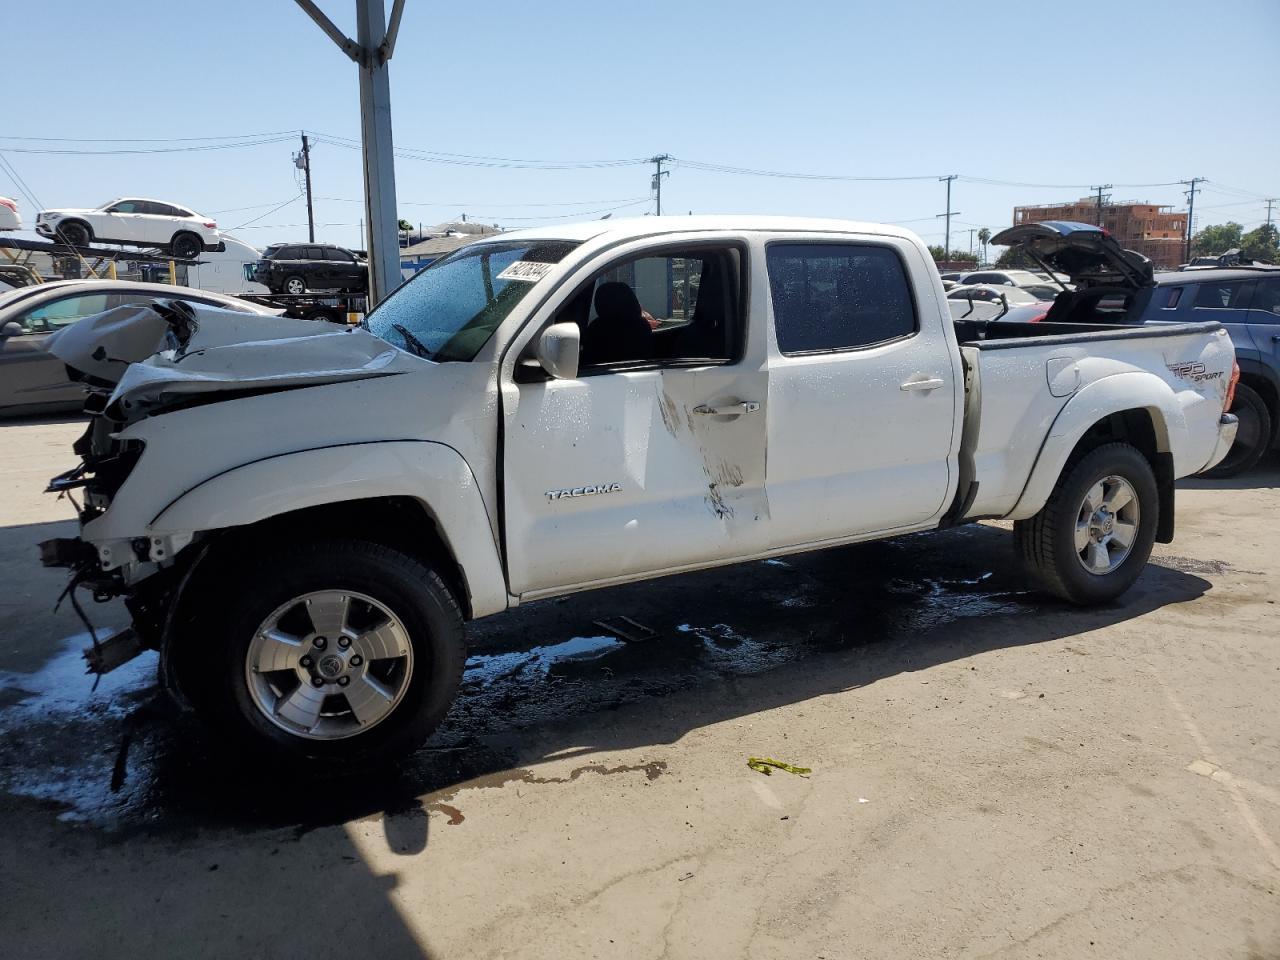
(172, 353)
(1087, 254)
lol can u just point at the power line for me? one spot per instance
(752, 172)
(279, 206)
(232, 136)
(118, 151)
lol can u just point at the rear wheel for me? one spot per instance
(187, 246)
(333, 655)
(1093, 537)
(295, 284)
(75, 234)
(1253, 435)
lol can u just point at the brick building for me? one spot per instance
(1156, 232)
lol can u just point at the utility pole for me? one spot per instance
(374, 44)
(1191, 212)
(1269, 203)
(657, 177)
(946, 243)
(303, 162)
(971, 233)
(1105, 186)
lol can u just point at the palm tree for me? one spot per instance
(983, 236)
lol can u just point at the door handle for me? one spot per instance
(728, 409)
(1275, 337)
(932, 384)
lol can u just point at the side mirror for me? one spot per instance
(12, 329)
(558, 350)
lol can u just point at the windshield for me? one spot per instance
(450, 309)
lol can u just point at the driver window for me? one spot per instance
(128, 206)
(681, 307)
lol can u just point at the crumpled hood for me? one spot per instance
(167, 353)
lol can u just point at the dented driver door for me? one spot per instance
(622, 473)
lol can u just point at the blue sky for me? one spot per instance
(1076, 93)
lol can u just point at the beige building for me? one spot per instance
(1156, 232)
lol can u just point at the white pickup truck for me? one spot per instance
(301, 517)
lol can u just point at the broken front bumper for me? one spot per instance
(1227, 427)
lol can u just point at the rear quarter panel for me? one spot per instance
(1027, 433)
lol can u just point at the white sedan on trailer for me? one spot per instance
(134, 221)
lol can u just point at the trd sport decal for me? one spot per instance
(588, 491)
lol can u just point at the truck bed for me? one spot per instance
(1020, 377)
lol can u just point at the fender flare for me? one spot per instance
(1135, 390)
(433, 474)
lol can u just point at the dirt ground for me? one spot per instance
(993, 773)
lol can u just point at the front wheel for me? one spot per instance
(1093, 537)
(75, 234)
(336, 655)
(295, 285)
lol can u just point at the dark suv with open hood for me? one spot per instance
(1115, 285)
(299, 267)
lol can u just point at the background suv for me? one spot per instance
(1246, 300)
(299, 267)
(134, 221)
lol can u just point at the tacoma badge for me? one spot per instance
(588, 491)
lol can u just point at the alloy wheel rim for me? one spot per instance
(329, 665)
(1107, 525)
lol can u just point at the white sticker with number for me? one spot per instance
(526, 270)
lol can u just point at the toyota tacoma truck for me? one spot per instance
(302, 517)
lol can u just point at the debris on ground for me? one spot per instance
(762, 765)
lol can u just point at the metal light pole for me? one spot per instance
(375, 42)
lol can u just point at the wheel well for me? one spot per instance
(76, 220)
(401, 523)
(1140, 429)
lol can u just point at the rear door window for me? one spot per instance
(838, 296)
(1224, 295)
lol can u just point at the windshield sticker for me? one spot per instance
(526, 270)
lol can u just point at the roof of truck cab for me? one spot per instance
(636, 227)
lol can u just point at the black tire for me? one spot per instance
(75, 234)
(1253, 436)
(187, 246)
(415, 594)
(294, 280)
(1046, 542)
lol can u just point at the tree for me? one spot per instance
(405, 225)
(1262, 244)
(956, 256)
(1217, 239)
(983, 236)
(1014, 258)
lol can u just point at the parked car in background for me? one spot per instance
(10, 218)
(33, 381)
(1005, 278)
(1119, 286)
(1246, 300)
(136, 222)
(299, 267)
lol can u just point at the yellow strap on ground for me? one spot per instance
(762, 765)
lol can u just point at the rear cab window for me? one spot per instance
(838, 296)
